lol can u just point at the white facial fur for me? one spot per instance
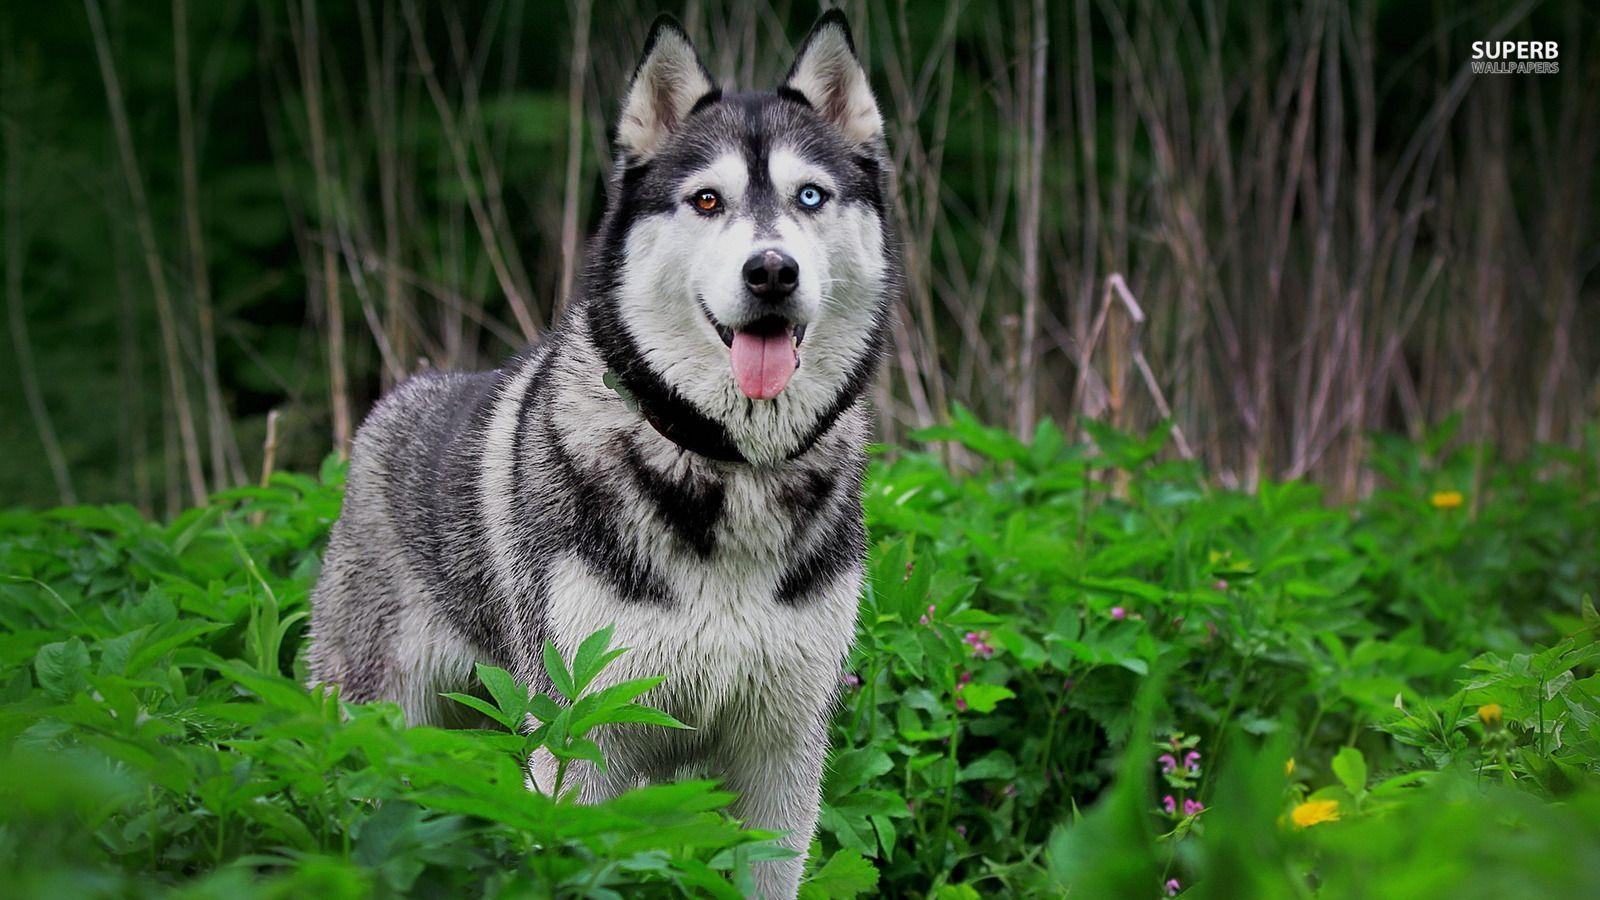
(732, 236)
(676, 260)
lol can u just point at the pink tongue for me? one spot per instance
(762, 365)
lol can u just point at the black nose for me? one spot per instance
(771, 275)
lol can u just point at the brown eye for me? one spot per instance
(707, 201)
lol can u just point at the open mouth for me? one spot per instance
(764, 353)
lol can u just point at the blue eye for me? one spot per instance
(811, 196)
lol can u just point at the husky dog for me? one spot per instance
(681, 457)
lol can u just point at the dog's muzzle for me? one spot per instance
(765, 351)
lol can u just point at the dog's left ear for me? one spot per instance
(668, 84)
(829, 75)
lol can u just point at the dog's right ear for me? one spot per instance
(670, 80)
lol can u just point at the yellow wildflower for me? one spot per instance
(1446, 499)
(1288, 767)
(1489, 715)
(1315, 812)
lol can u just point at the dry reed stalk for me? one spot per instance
(17, 316)
(269, 448)
(1033, 122)
(501, 254)
(380, 46)
(577, 74)
(227, 467)
(132, 423)
(269, 461)
(181, 412)
(1304, 278)
(308, 47)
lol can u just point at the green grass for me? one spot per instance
(1041, 664)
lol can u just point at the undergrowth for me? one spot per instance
(1078, 669)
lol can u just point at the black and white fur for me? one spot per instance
(721, 535)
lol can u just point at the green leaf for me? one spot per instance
(275, 690)
(853, 768)
(622, 691)
(997, 764)
(484, 707)
(1350, 767)
(846, 875)
(645, 715)
(543, 708)
(592, 657)
(182, 634)
(62, 668)
(605, 706)
(557, 672)
(578, 748)
(512, 698)
(983, 697)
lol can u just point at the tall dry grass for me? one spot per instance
(1265, 227)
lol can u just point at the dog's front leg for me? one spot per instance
(779, 786)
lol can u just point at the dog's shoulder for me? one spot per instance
(406, 441)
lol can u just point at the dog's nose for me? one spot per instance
(771, 275)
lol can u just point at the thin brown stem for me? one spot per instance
(172, 359)
(226, 465)
(17, 316)
(577, 72)
(309, 55)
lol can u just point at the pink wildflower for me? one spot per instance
(1192, 807)
(1191, 762)
(1173, 887)
(1169, 804)
(1118, 613)
(979, 642)
(1169, 763)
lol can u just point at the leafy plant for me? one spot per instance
(1079, 668)
(153, 740)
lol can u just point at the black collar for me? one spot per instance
(691, 435)
(675, 418)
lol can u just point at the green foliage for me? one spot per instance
(157, 734)
(1066, 679)
(1018, 611)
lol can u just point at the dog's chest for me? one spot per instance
(728, 649)
(725, 649)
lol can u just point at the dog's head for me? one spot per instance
(746, 261)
